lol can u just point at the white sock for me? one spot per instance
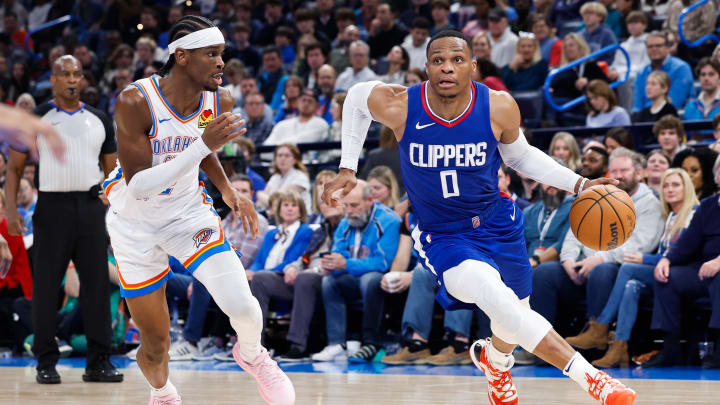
(579, 369)
(501, 361)
(168, 389)
(249, 352)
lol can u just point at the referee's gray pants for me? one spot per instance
(70, 226)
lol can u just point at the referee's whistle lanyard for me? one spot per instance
(546, 227)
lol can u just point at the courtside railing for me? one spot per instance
(701, 40)
(572, 103)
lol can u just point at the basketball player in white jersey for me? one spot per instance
(168, 127)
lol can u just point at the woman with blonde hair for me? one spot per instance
(571, 83)
(290, 175)
(635, 277)
(384, 186)
(481, 45)
(602, 106)
(564, 147)
(657, 87)
(527, 70)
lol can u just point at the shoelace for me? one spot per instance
(267, 372)
(501, 383)
(601, 385)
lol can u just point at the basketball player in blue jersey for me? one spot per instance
(167, 128)
(452, 135)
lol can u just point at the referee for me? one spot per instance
(69, 222)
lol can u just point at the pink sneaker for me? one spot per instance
(274, 386)
(172, 399)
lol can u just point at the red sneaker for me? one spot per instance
(501, 389)
(609, 391)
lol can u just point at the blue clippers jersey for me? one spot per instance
(450, 167)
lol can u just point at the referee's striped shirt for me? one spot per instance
(87, 133)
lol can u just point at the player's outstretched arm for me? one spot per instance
(364, 103)
(19, 128)
(518, 154)
(243, 208)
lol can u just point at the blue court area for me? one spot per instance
(671, 373)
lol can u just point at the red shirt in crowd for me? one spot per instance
(20, 267)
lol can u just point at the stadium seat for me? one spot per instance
(531, 107)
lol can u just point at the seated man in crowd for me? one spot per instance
(689, 271)
(594, 162)
(187, 347)
(259, 122)
(364, 247)
(306, 127)
(585, 273)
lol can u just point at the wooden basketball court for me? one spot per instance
(17, 386)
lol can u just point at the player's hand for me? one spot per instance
(345, 181)
(20, 128)
(5, 257)
(598, 181)
(16, 224)
(709, 269)
(636, 257)
(222, 130)
(290, 275)
(244, 209)
(662, 270)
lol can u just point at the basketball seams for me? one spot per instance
(600, 197)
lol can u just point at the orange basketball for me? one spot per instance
(602, 217)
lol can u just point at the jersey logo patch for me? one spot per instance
(476, 222)
(205, 118)
(418, 126)
(202, 237)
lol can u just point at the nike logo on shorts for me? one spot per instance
(418, 126)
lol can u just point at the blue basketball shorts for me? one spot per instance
(498, 241)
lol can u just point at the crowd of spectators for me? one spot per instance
(336, 278)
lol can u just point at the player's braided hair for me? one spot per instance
(182, 27)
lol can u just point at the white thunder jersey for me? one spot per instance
(170, 135)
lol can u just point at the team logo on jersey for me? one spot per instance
(202, 237)
(205, 118)
(476, 222)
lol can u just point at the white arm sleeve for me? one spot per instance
(158, 178)
(356, 119)
(537, 165)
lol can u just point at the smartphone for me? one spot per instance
(323, 254)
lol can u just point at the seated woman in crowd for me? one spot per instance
(617, 137)
(656, 89)
(305, 290)
(384, 186)
(286, 243)
(656, 162)
(398, 61)
(564, 147)
(698, 164)
(601, 104)
(670, 134)
(550, 45)
(415, 76)
(321, 178)
(481, 46)
(527, 70)
(635, 277)
(293, 88)
(488, 74)
(290, 175)
(688, 272)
